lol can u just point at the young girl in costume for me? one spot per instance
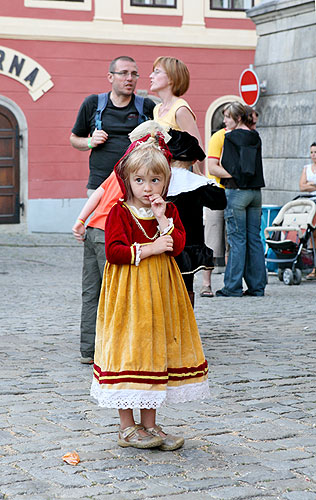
(148, 349)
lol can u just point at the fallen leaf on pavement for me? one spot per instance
(71, 458)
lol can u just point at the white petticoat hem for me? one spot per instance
(128, 398)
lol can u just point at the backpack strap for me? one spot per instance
(139, 105)
(102, 102)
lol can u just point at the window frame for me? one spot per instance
(226, 9)
(224, 13)
(59, 4)
(154, 5)
(163, 11)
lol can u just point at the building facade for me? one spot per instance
(53, 53)
(286, 59)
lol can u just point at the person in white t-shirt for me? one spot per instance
(308, 177)
(308, 184)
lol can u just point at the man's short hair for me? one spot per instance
(250, 112)
(120, 58)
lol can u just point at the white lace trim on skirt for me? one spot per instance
(128, 398)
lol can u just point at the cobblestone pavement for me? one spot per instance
(256, 437)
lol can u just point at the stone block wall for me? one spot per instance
(286, 59)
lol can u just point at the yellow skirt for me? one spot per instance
(148, 349)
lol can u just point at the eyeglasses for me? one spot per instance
(158, 71)
(125, 74)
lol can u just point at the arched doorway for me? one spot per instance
(217, 119)
(9, 167)
(214, 115)
(12, 114)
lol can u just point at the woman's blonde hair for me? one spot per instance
(177, 73)
(147, 154)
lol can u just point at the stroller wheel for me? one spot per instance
(288, 278)
(280, 274)
(297, 277)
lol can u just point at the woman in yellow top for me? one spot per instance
(170, 79)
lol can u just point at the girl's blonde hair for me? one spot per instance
(177, 73)
(147, 154)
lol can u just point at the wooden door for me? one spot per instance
(9, 168)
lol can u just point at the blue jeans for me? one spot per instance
(246, 255)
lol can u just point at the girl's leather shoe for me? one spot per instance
(132, 437)
(169, 442)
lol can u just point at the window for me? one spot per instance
(154, 3)
(59, 4)
(218, 119)
(156, 7)
(232, 4)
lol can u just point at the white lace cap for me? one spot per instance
(148, 127)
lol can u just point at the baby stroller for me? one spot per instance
(292, 241)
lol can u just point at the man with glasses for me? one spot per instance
(119, 118)
(107, 146)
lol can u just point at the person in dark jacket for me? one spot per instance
(242, 174)
(189, 192)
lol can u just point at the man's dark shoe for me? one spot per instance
(220, 293)
(247, 293)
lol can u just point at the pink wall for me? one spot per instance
(16, 8)
(56, 170)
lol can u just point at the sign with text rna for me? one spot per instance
(25, 70)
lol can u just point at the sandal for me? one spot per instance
(312, 275)
(132, 437)
(169, 442)
(206, 291)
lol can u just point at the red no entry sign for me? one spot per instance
(249, 87)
